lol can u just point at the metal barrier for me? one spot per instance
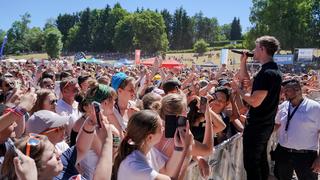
(226, 162)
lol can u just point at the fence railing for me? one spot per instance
(226, 163)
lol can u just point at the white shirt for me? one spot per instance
(65, 109)
(62, 146)
(137, 166)
(123, 121)
(57, 89)
(88, 164)
(304, 127)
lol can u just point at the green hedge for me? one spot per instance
(224, 43)
(228, 46)
(180, 51)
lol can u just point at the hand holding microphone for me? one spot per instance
(249, 54)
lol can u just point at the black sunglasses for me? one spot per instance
(9, 85)
(54, 101)
(214, 97)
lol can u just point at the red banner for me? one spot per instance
(137, 56)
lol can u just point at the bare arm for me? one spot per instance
(26, 103)
(207, 88)
(255, 99)
(184, 140)
(84, 139)
(235, 115)
(243, 68)
(188, 80)
(217, 122)
(104, 166)
(7, 119)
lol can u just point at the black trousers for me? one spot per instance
(286, 162)
(255, 141)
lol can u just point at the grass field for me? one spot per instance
(29, 56)
(188, 58)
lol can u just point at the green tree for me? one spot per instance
(182, 30)
(149, 32)
(53, 43)
(84, 36)
(124, 34)
(64, 23)
(315, 23)
(235, 31)
(205, 28)
(50, 23)
(35, 39)
(102, 39)
(200, 46)
(116, 15)
(144, 30)
(71, 41)
(167, 17)
(288, 21)
(2, 34)
(225, 31)
(17, 41)
(249, 39)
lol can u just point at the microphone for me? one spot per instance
(249, 54)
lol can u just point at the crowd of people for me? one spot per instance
(83, 121)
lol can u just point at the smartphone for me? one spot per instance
(182, 121)
(12, 147)
(203, 104)
(96, 106)
(170, 125)
(172, 122)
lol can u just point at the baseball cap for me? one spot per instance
(223, 82)
(157, 77)
(42, 120)
(203, 83)
(117, 80)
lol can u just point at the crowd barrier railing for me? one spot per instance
(226, 163)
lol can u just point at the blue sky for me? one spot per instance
(41, 10)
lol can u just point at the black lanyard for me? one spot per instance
(289, 117)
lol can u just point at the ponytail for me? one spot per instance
(124, 150)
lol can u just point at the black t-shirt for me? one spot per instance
(269, 79)
(198, 131)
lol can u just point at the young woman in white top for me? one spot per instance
(124, 105)
(137, 158)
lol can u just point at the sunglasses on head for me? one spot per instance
(9, 84)
(56, 129)
(54, 101)
(71, 82)
(33, 140)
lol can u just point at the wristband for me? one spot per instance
(20, 111)
(176, 148)
(86, 131)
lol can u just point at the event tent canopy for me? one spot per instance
(90, 61)
(169, 63)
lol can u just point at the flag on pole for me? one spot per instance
(79, 55)
(3, 44)
(137, 56)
